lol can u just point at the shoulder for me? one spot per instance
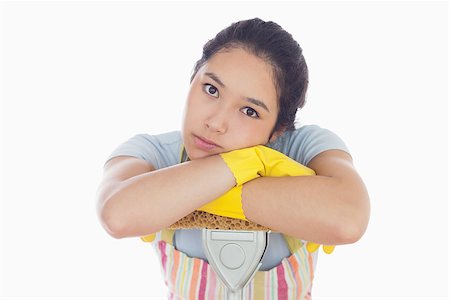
(307, 141)
(165, 141)
(316, 135)
(161, 150)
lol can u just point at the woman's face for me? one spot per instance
(231, 104)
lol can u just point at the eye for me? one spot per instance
(211, 90)
(250, 112)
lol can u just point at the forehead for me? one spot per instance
(243, 73)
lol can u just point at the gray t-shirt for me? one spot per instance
(164, 150)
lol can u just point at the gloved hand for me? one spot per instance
(312, 247)
(268, 162)
(249, 163)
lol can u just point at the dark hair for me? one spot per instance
(272, 43)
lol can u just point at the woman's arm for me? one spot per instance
(134, 199)
(330, 208)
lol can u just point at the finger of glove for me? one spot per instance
(149, 238)
(328, 249)
(312, 247)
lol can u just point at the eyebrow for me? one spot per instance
(258, 103)
(251, 100)
(215, 78)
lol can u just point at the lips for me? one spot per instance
(204, 143)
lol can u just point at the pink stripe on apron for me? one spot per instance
(202, 290)
(282, 285)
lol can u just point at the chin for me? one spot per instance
(191, 153)
(194, 153)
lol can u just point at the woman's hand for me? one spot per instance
(247, 164)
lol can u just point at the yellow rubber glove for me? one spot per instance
(312, 247)
(275, 164)
(149, 238)
(249, 163)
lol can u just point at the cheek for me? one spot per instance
(251, 135)
(192, 107)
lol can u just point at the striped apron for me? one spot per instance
(193, 278)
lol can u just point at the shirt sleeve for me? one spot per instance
(307, 141)
(158, 150)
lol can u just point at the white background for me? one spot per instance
(79, 78)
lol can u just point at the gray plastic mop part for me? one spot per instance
(235, 256)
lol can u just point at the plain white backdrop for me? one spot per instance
(79, 78)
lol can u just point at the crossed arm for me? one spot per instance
(134, 199)
(330, 208)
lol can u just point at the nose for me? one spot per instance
(217, 122)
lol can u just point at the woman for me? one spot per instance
(245, 91)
